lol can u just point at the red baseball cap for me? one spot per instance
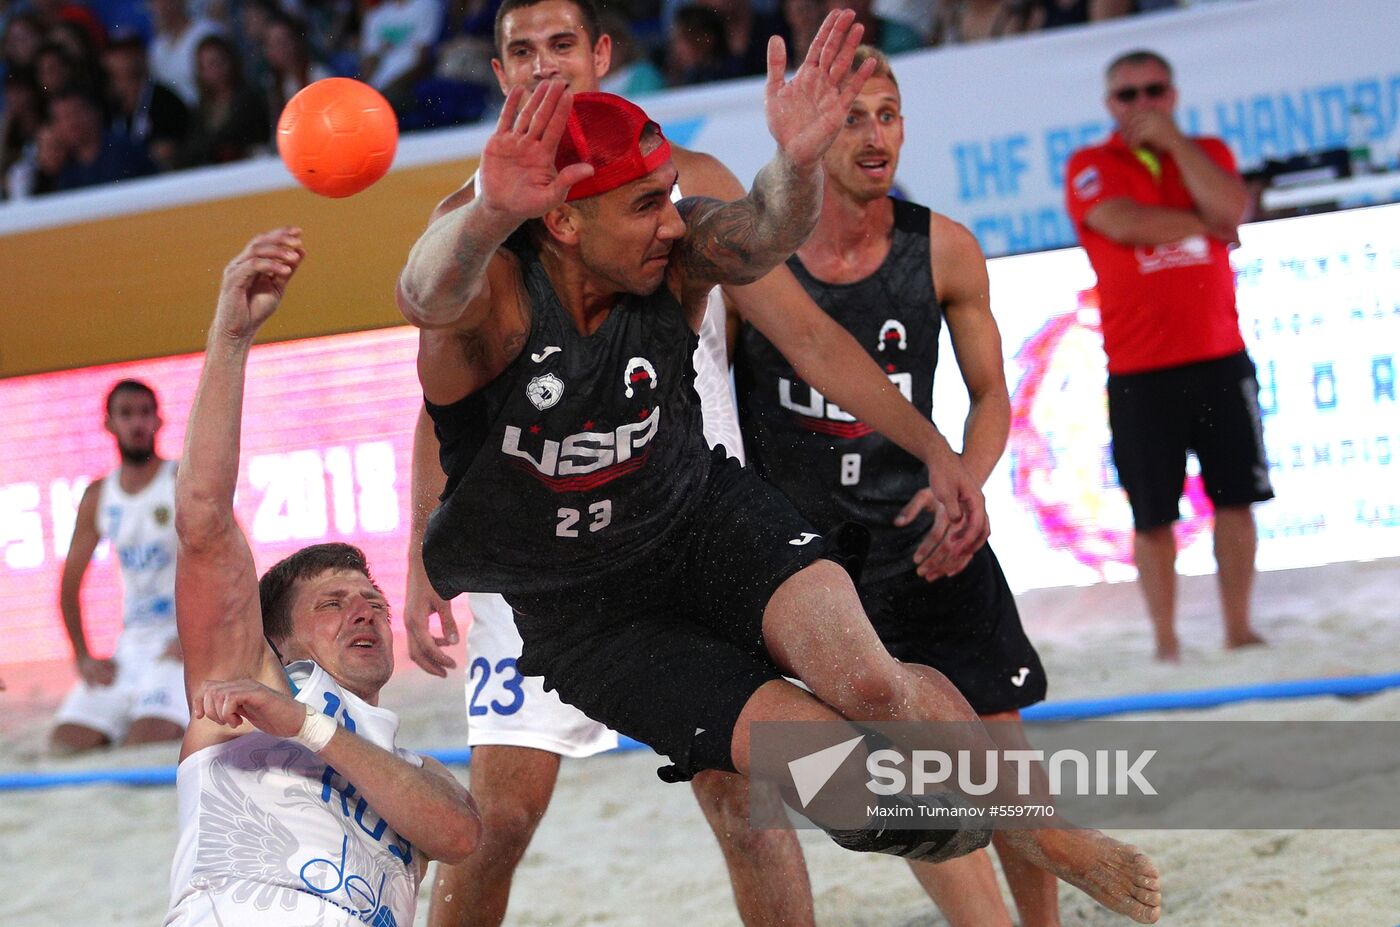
(605, 131)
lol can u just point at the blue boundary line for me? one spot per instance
(1079, 709)
(1345, 686)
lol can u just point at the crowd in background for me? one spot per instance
(108, 90)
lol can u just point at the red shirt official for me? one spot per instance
(1164, 305)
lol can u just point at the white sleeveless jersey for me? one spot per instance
(141, 527)
(712, 376)
(712, 381)
(271, 836)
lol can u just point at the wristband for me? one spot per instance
(316, 731)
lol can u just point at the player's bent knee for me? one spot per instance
(507, 828)
(876, 684)
(829, 573)
(153, 730)
(75, 738)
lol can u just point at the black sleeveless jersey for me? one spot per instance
(833, 467)
(579, 459)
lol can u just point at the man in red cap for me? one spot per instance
(660, 588)
(518, 732)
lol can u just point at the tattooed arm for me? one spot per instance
(741, 241)
(445, 282)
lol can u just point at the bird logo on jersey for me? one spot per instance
(544, 391)
(893, 335)
(639, 371)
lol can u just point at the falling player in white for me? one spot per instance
(296, 805)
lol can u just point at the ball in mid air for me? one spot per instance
(337, 136)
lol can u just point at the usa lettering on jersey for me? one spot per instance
(819, 414)
(586, 452)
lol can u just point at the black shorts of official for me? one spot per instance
(1211, 408)
(669, 653)
(966, 626)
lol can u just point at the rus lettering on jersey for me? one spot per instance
(585, 451)
(144, 557)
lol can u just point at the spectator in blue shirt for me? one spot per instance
(94, 156)
(148, 113)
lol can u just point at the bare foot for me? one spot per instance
(1168, 653)
(1247, 639)
(1118, 876)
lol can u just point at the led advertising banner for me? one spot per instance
(327, 438)
(1319, 304)
(327, 432)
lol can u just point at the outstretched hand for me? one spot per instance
(255, 281)
(516, 177)
(806, 113)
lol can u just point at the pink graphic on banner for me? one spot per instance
(1061, 464)
(327, 438)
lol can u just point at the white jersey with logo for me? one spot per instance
(270, 836)
(507, 709)
(150, 681)
(712, 381)
(141, 529)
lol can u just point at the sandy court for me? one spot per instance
(620, 848)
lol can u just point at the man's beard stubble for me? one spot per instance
(136, 455)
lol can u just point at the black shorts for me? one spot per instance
(1211, 408)
(965, 626)
(669, 654)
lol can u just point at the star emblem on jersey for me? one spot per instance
(639, 372)
(893, 335)
(544, 391)
(162, 515)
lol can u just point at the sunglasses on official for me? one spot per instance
(1154, 91)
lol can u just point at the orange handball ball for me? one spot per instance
(337, 136)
